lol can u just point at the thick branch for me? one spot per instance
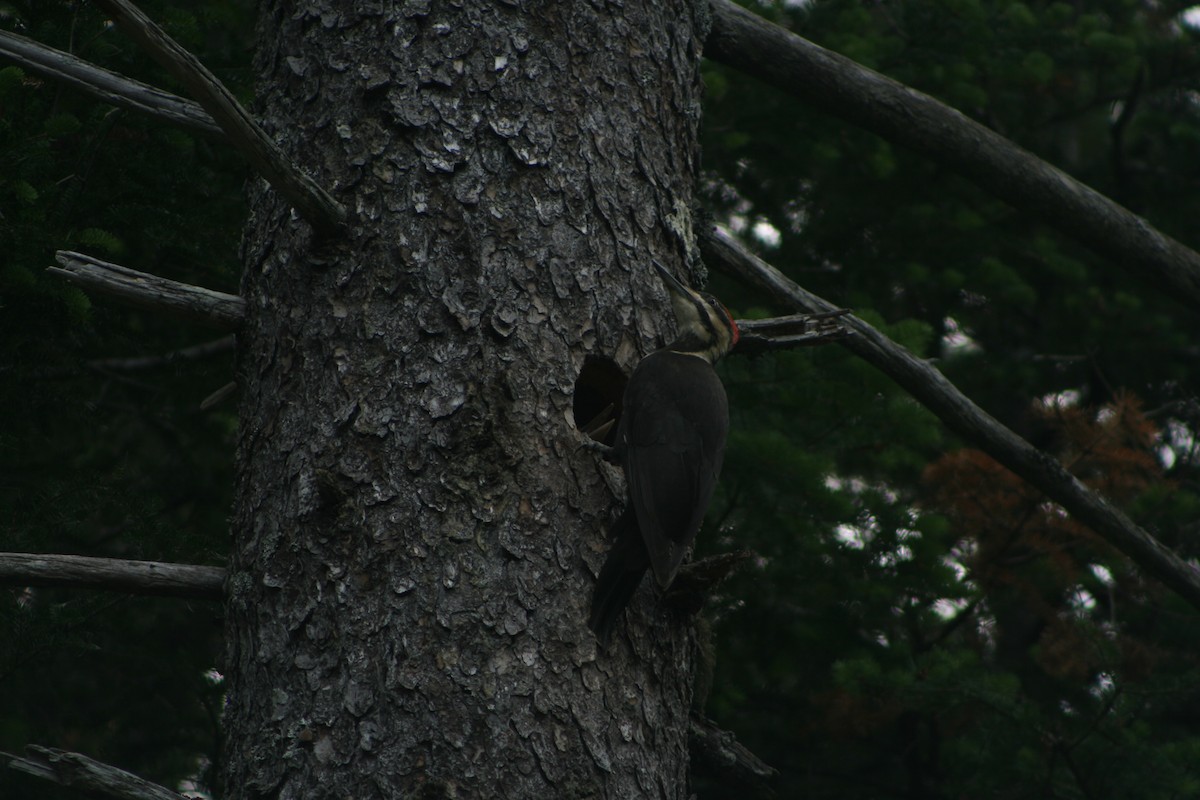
(150, 291)
(966, 419)
(107, 86)
(313, 202)
(81, 772)
(114, 574)
(838, 85)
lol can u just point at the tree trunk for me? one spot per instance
(416, 530)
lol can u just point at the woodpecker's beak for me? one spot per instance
(705, 327)
(685, 303)
(673, 283)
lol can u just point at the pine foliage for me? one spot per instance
(917, 622)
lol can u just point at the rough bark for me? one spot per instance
(416, 529)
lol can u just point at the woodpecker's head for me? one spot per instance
(706, 328)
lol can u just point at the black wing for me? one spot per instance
(674, 434)
(619, 578)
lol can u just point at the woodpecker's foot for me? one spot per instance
(695, 581)
(605, 452)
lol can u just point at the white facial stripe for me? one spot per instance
(705, 319)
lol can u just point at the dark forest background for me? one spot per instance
(917, 621)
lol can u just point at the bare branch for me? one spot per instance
(113, 574)
(720, 751)
(225, 344)
(314, 203)
(795, 330)
(219, 396)
(218, 309)
(842, 87)
(962, 416)
(107, 86)
(216, 347)
(79, 771)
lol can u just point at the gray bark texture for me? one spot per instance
(416, 531)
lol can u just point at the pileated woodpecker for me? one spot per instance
(670, 442)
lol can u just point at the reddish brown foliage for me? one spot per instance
(1003, 518)
(1023, 549)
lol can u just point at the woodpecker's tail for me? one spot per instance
(620, 576)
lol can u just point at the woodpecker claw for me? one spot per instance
(601, 449)
(696, 581)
